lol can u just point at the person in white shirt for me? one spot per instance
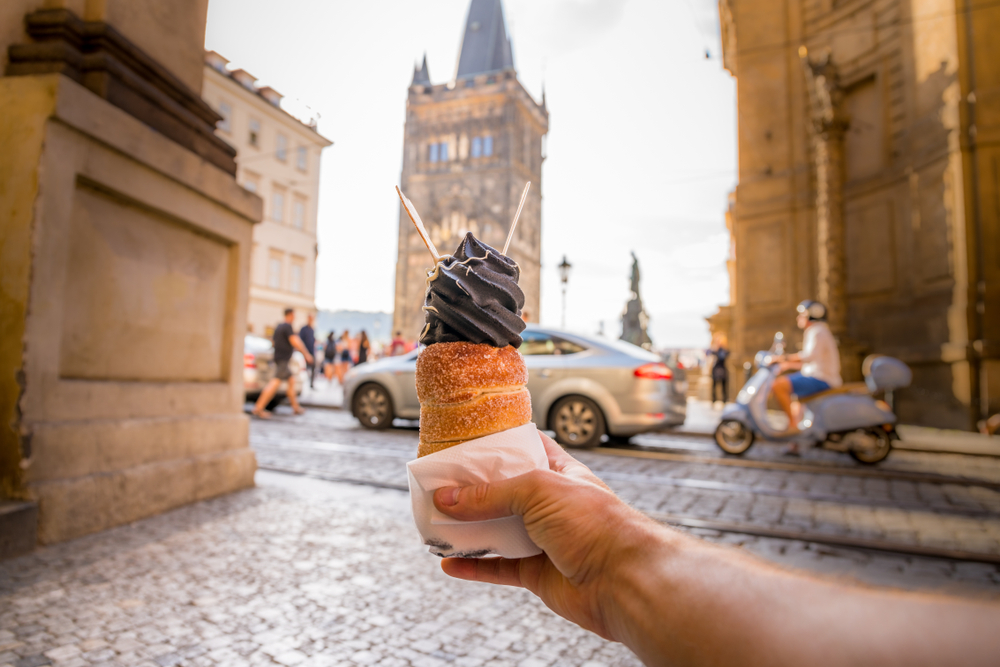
(817, 365)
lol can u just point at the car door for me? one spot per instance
(406, 377)
(546, 363)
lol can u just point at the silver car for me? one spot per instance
(258, 369)
(582, 388)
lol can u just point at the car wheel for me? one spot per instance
(373, 406)
(578, 422)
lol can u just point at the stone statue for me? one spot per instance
(635, 276)
(634, 319)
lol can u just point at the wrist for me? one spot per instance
(637, 566)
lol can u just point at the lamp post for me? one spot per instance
(564, 269)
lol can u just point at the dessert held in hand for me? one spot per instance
(471, 380)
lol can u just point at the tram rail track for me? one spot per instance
(647, 452)
(318, 447)
(847, 541)
(654, 453)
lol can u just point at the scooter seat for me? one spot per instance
(848, 388)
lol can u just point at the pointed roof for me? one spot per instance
(421, 75)
(485, 44)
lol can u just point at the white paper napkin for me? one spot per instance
(493, 458)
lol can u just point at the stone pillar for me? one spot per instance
(126, 246)
(829, 126)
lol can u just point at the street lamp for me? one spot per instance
(564, 269)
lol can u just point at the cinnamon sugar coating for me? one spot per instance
(457, 372)
(469, 391)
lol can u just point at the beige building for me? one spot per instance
(126, 251)
(869, 139)
(278, 158)
(469, 147)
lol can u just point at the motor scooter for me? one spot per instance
(846, 419)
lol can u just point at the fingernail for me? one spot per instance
(449, 496)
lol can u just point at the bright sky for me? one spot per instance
(641, 145)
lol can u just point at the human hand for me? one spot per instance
(309, 358)
(584, 529)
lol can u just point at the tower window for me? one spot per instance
(432, 153)
(477, 146)
(487, 145)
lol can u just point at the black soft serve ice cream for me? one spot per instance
(473, 297)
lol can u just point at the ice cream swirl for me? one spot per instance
(473, 297)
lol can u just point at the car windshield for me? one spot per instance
(630, 349)
(256, 344)
(540, 343)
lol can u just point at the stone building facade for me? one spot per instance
(469, 147)
(869, 139)
(278, 158)
(126, 251)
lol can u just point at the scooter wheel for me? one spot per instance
(733, 437)
(877, 445)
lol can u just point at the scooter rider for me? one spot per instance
(817, 365)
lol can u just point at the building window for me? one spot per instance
(295, 277)
(278, 206)
(226, 111)
(487, 145)
(299, 214)
(300, 158)
(477, 147)
(432, 153)
(254, 137)
(274, 271)
(444, 152)
(282, 152)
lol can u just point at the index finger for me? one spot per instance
(562, 462)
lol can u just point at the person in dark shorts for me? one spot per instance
(329, 357)
(720, 375)
(364, 347)
(285, 342)
(308, 337)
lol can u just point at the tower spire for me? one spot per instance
(485, 44)
(421, 75)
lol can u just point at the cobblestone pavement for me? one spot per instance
(901, 512)
(296, 572)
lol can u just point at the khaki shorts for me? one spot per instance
(282, 371)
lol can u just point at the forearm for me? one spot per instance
(680, 601)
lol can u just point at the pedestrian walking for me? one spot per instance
(398, 345)
(720, 374)
(308, 336)
(285, 342)
(343, 356)
(364, 347)
(329, 357)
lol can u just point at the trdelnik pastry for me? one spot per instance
(471, 380)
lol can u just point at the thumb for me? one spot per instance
(492, 500)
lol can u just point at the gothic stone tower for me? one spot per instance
(469, 147)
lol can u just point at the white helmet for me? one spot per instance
(815, 310)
